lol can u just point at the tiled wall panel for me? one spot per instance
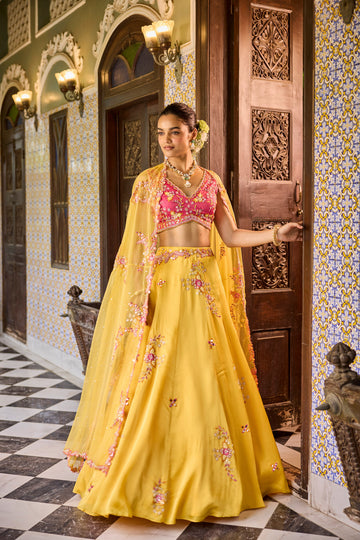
(185, 91)
(336, 304)
(47, 286)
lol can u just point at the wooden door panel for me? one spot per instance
(132, 148)
(13, 205)
(270, 165)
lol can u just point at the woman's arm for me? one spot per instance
(234, 237)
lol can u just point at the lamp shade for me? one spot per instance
(151, 40)
(164, 30)
(23, 99)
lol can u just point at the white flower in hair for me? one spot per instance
(201, 136)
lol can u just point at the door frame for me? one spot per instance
(215, 104)
(138, 90)
(9, 92)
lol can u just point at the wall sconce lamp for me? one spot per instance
(70, 87)
(158, 40)
(22, 101)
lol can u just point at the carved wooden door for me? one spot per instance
(13, 219)
(132, 147)
(270, 180)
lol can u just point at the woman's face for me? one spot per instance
(174, 136)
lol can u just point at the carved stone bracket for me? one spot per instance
(14, 74)
(61, 43)
(165, 9)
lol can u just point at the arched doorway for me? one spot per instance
(13, 218)
(130, 99)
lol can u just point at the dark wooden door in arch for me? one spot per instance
(257, 105)
(13, 218)
(131, 97)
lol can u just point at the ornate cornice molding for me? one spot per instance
(164, 8)
(60, 44)
(14, 74)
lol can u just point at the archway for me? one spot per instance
(130, 98)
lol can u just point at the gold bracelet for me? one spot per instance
(276, 240)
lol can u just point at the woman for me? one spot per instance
(170, 424)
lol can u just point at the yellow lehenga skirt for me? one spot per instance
(196, 440)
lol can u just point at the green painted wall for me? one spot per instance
(84, 25)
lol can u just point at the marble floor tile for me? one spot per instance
(267, 534)
(327, 522)
(10, 482)
(9, 534)
(57, 393)
(136, 528)
(6, 362)
(19, 390)
(25, 373)
(66, 405)
(26, 465)
(249, 518)
(16, 514)
(73, 522)
(4, 424)
(44, 448)
(35, 403)
(285, 519)
(16, 413)
(13, 444)
(67, 384)
(40, 382)
(59, 471)
(52, 417)
(9, 399)
(3, 386)
(74, 501)
(214, 531)
(51, 375)
(30, 430)
(32, 535)
(3, 455)
(60, 434)
(10, 380)
(44, 490)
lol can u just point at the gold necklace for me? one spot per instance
(184, 175)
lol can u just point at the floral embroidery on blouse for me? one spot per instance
(275, 466)
(176, 208)
(90, 487)
(245, 429)
(159, 497)
(173, 402)
(225, 452)
(151, 359)
(161, 282)
(197, 281)
(211, 343)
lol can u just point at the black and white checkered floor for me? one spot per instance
(37, 406)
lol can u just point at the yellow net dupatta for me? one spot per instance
(121, 322)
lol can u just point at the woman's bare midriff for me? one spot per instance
(190, 234)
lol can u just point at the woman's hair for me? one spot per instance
(184, 112)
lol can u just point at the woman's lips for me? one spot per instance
(168, 147)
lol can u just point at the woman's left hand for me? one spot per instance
(290, 232)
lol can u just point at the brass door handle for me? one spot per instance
(298, 198)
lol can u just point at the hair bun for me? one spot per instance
(202, 135)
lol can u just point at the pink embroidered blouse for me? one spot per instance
(176, 208)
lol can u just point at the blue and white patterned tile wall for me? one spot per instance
(185, 91)
(336, 303)
(47, 286)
